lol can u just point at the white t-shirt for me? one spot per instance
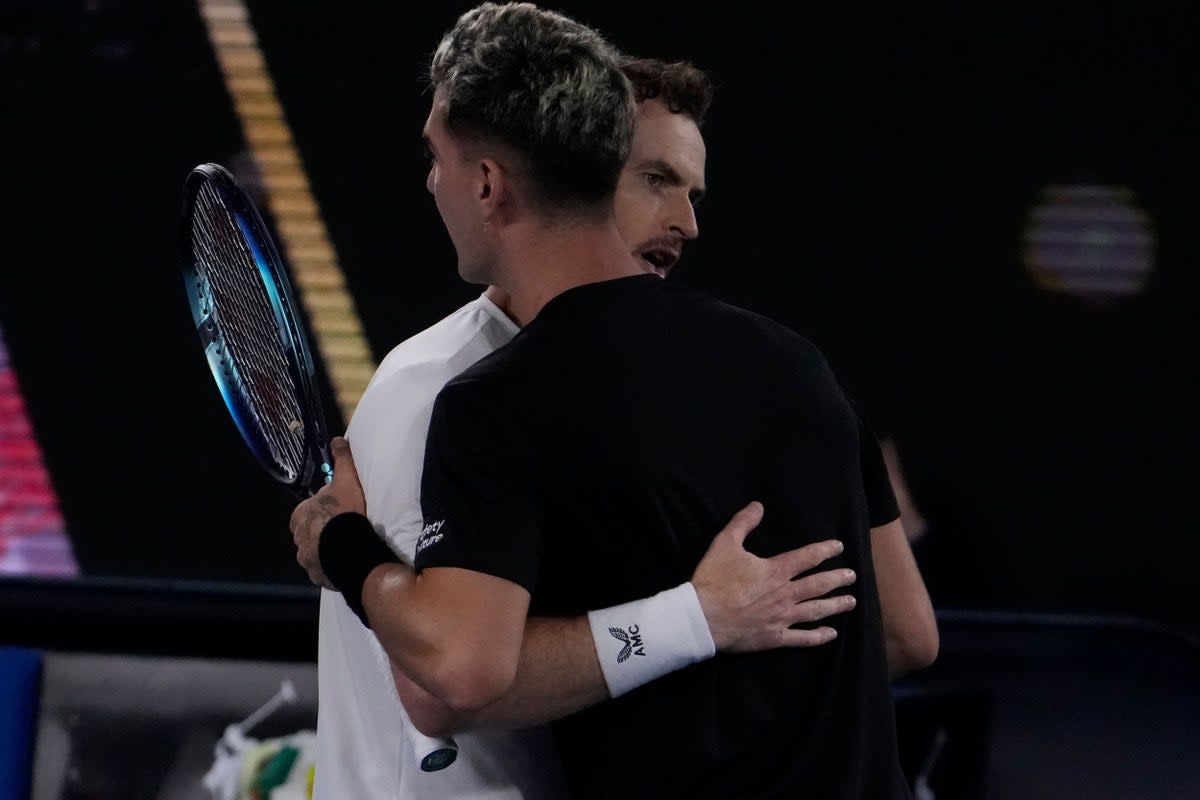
(363, 752)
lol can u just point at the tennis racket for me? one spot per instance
(251, 332)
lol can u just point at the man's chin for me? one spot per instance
(474, 274)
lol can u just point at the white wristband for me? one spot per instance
(643, 640)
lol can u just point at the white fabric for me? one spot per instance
(363, 752)
(642, 640)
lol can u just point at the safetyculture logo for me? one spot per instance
(430, 534)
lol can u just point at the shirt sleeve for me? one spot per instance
(387, 434)
(881, 499)
(478, 489)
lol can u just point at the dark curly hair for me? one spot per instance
(679, 85)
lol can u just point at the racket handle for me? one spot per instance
(432, 754)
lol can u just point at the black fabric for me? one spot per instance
(349, 549)
(594, 458)
(475, 491)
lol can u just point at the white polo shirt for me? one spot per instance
(363, 752)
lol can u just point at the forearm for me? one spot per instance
(388, 596)
(455, 632)
(752, 603)
(559, 671)
(406, 624)
(899, 662)
(558, 674)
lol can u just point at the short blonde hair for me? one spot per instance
(547, 87)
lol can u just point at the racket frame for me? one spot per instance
(317, 466)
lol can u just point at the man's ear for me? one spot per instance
(487, 175)
(492, 188)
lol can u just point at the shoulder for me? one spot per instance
(488, 384)
(741, 327)
(452, 344)
(500, 369)
(492, 397)
(402, 390)
(441, 352)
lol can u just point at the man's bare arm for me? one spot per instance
(455, 632)
(558, 675)
(909, 624)
(910, 515)
(458, 633)
(750, 604)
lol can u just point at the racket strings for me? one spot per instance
(246, 320)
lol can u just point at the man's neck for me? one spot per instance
(499, 297)
(546, 264)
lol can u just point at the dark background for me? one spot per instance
(870, 175)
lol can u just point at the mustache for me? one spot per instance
(672, 243)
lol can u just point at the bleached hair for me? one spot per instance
(547, 87)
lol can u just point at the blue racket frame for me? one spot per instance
(317, 468)
(432, 754)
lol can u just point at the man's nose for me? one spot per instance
(683, 220)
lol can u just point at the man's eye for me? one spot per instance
(428, 153)
(654, 179)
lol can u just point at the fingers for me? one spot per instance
(810, 612)
(819, 584)
(743, 522)
(802, 559)
(343, 461)
(822, 608)
(345, 492)
(807, 638)
(294, 520)
(315, 575)
(804, 600)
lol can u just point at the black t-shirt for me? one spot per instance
(593, 459)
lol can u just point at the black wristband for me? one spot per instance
(349, 549)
